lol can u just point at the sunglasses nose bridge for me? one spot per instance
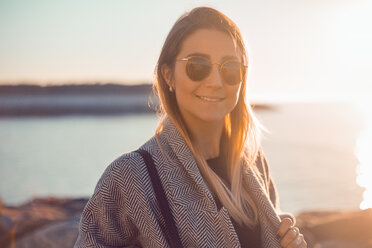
(219, 66)
(219, 78)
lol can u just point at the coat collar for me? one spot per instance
(268, 217)
(184, 155)
(267, 214)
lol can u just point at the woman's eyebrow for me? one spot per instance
(227, 57)
(230, 57)
(199, 54)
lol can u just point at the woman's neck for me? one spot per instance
(206, 136)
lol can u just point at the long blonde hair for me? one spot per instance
(241, 127)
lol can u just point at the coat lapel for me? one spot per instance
(186, 158)
(268, 218)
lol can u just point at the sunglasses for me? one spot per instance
(198, 68)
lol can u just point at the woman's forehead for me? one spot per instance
(211, 43)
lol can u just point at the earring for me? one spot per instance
(170, 89)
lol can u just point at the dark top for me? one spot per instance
(247, 237)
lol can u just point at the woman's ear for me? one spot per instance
(167, 74)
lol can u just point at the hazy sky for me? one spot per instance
(296, 47)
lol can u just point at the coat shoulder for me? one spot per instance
(129, 165)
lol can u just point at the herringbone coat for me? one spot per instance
(123, 210)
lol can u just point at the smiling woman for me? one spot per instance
(202, 180)
(205, 98)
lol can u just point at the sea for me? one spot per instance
(312, 150)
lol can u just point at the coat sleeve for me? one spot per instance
(105, 222)
(263, 167)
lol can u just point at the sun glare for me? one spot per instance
(364, 154)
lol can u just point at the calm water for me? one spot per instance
(310, 149)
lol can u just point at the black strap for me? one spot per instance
(174, 239)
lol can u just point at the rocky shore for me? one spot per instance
(53, 222)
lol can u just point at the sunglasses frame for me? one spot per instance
(220, 65)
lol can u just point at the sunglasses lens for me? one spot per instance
(198, 68)
(232, 72)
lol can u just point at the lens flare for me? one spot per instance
(364, 154)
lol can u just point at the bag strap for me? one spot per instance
(174, 239)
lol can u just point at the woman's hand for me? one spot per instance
(290, 236)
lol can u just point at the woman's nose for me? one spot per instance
(214, 78)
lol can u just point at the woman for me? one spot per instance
(206, 151)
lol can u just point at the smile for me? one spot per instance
(210, 99)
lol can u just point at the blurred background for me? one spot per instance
(75, 78)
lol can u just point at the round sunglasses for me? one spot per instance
(198, 68)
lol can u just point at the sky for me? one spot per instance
(296, 48)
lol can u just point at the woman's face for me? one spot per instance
(210, 99)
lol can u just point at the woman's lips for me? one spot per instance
(210, 99)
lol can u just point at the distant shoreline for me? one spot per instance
(83, 99)
(97, 88)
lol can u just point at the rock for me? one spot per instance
(56, 235)
(339, 244)
(21, 221)
(328, 229)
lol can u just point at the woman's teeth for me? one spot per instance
(209, 99)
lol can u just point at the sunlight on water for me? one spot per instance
(364, 154)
